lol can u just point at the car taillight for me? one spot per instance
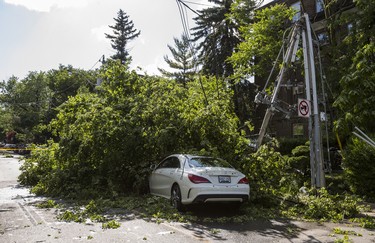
(243, 181)
(197, 179)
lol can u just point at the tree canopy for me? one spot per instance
(356, 63)
(262, 41)
(123, 32)
(30, 104)
(217, 36)
(184, 61)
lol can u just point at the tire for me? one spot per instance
(176, 198)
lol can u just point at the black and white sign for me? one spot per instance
(304, 108)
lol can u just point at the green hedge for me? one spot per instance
(359, 168)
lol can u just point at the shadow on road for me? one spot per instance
(209, 225)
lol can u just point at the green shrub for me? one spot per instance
(359, 168)
(300, 160)
(39, 166)
(288, 144)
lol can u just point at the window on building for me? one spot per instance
(299, 89)
(298, 129)
(323, 38)
(296, 6)
(319, 6)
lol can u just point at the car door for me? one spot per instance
(163, 177)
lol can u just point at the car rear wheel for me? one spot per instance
(176, 198)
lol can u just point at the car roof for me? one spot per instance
(190, 156)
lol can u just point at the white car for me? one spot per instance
(187, 179)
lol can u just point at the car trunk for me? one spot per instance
(220, 175)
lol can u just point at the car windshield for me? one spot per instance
(208, 162)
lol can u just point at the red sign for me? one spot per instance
(304, 108)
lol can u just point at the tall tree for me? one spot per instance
(217, 33)
(65, 82)
(29, 104)
(261, 42)
(8, 97)
(242, 11)
(356, 62)
(25, 102)
(183, 61)
(217, 36)
(8, 90)
(256, 53)
(123, 32)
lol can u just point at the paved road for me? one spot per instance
(21, 221)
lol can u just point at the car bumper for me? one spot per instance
(221, 198)
(216, 194)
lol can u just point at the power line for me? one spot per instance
(187, 6)
(184, 18)
(182, 7)
(201, 4)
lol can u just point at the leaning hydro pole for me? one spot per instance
(301, 28)
(316, 151)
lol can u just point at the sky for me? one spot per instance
(39, 35)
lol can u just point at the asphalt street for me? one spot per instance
(22, 221)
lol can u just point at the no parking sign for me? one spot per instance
(304, 108)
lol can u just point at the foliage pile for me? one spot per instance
(346, 233)
(108, 139)
(270, 174)
(81, 214)
(322, 205)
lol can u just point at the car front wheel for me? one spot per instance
(176, 198)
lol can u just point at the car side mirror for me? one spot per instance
(153, 166)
